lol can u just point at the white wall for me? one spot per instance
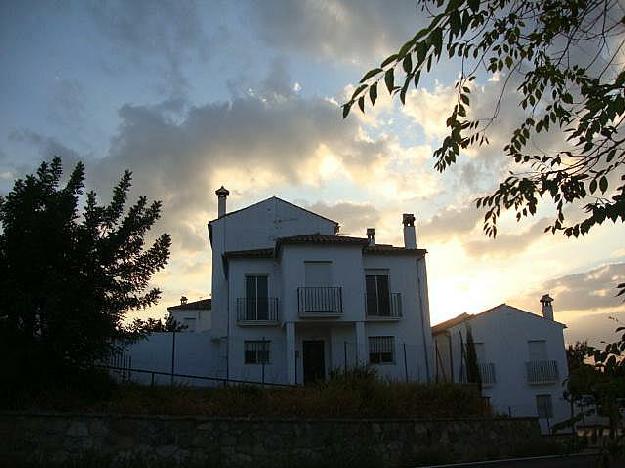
(505, 334)
(194, 354)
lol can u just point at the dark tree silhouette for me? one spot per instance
(564, 57)
(470, 359)
(142, 327)
(70, 268)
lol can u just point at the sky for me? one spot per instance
(193, 95)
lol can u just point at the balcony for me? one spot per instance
(384, 307)
(487, 374)
(258, 311)
(542, 372)
(320, 301)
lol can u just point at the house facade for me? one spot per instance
(521, 358)
(194, 316)
(293, 300)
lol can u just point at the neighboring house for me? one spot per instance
(521, 356)
(293, 300)
(195, 316)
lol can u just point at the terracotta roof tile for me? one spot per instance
(202, 304)
(254, 253)
(321, 239)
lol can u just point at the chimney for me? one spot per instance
(371, 235)
(410, 234)
(546, 301)
(183, 300)
(221, 193)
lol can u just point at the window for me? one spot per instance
(378, 297)
(256, 295)
(317, 274)
(257, 352)
(543, 406)
(189, 322)
(381, 349)
(537, 350)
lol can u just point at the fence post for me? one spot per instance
(173, 353)
(262, 378)
(152, 383)
(406, 363)
(344, 356)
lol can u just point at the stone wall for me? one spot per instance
(58, 438)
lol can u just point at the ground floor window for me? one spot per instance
(544, 406)
(381, 349)
(257, 352)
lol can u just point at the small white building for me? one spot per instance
(293, 300)
(521, 357)
(195, 316)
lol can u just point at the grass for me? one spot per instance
(357, 394)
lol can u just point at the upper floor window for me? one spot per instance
(257, 352)
(381, 349)
(537, 350)
(256, 295)
(318, 274)
(378, 294)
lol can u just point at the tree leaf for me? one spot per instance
(373, 93)
(389, 80)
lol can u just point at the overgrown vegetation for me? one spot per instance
(351, 395)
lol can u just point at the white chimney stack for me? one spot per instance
(371, 235)
(546, 301)
(221, 193)
(410, 233)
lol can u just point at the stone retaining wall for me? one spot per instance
(58, 438)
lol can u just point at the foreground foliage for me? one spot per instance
(564, 57)
(345, 396)
(69, 273)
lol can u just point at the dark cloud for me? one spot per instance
(176, 157)
(167, 31)
(354, 218)
(48, 147)
(340, 29)
(450, 222)
(506, 244)
(67, 103)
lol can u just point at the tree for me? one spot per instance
(543, 46)
(70, 268)
(151, 325)
(471, 363)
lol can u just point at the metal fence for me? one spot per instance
(542, 372)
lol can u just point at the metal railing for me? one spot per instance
(384, 306)
(542, 372)
(487, 373)
(320, 300)
(217, 380)
(258, 309)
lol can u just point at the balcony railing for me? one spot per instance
(257, 310)
(322, 300)
(542, 372)
(384, 306)
(487, 373)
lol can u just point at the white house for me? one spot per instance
(292, 299)
(520, 354)
(195, 316)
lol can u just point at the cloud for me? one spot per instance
(251, 144)
(506, 244)
(168, 32)
(48, 147)
(339, 29)
(66, 103)
(354, 218)
(450, 222)
(590, 290)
